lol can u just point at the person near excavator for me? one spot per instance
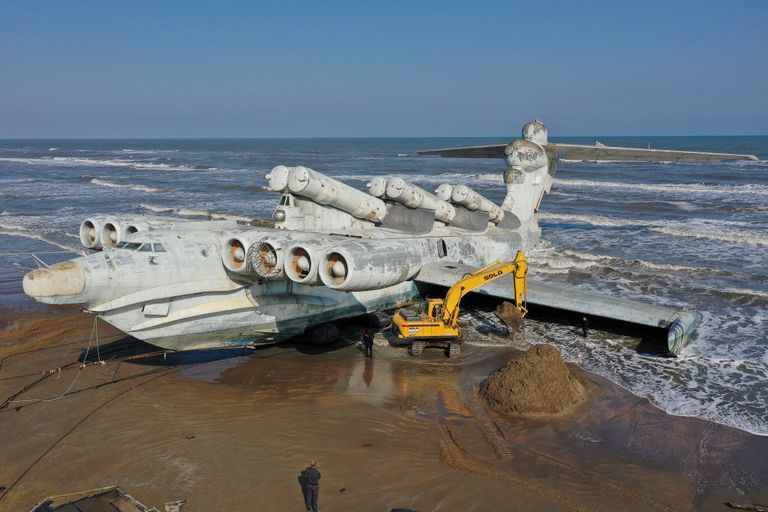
(368, 343)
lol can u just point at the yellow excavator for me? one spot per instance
(437, 324)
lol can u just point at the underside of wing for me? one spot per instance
(492, 151)
(601, 152)
(674, 327)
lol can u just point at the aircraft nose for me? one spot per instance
(53, 285)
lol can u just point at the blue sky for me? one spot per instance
(295, 69)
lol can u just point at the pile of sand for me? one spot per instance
(538, 382)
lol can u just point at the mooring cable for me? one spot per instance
(80, 422)
(94, 333)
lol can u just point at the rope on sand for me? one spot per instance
(94, 336)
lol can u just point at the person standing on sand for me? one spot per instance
(368, 343)
(310, 478)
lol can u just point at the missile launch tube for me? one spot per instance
(278, 178)
(377, 187)
(325, 190)
(413, 196)
(444, 191)
(471, 200)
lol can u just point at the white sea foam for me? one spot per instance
(726, 231)
(154, 208)
(595, 220)
(692, 385)
(723, 234)
(105, 183)
(551, 259)
(148, 151)
(497, 177)
(67, 161)
(743, 291)
(192, 212)
(19, 231)
(702, 188)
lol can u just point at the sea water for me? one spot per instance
(690, 236)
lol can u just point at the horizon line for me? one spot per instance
(336, 137)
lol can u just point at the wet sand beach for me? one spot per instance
(232, 429)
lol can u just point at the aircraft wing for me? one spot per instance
(673, 327)
(602, 152)
(597, 152)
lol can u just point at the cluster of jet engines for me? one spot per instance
(351, 257)
(324, 231)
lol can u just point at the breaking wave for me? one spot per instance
(149, 151)
(702, 188)
(694, 228)
(67, 161)
(191, 212)
(18, 231)
(105, 183)
(554, 259)
(719, 233)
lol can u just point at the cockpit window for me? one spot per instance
(159, 248)
(132, 246)
(146, 248)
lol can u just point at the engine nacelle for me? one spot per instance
(234, 254)
(112, 232)
(267, 258)
(302, 260)
(117, 229)
(90, 231)
(371, 264)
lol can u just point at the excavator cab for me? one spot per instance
(437, 323)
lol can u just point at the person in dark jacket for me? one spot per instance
(310, 486)
(368, 343)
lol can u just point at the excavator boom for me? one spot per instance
(440, 320)
(519, 266)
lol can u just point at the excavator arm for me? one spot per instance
(474, 280)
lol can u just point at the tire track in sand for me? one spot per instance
(453, 455)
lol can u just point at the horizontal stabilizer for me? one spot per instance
(598, 152)
(601, 152)
(676, 326)
(493, 151)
